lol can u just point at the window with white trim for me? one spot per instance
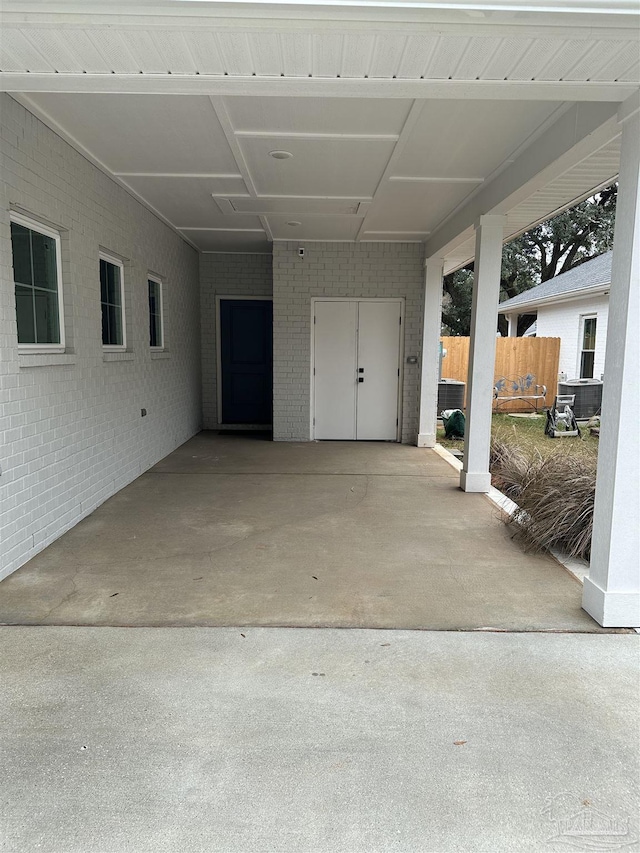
(156, 319)
(112, 302)
(588, 349)
(37, 275)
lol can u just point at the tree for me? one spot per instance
(547, 250)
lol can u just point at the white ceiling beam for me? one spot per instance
(217, 175)
(343, 137)
(267, 227)
(289, 197)
(219, 107)
(219, 86)
(407, 129)
(223, 230)
(409, 179)
(578, 133)
(420, 234)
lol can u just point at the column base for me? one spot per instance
(611, 609)
(477, 481)
(427, 439)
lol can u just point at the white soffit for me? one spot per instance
(480, 136)
(144, 133)
(396, 115)
(577, 40)
(594, 172)
(312, 116)
(401, 206)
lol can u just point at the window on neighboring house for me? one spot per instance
(112, 301)
(588, 353)
(156, 325)
(38, 282)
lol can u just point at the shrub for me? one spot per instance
(554, 492)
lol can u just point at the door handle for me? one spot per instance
(360, 379)
(361, 370)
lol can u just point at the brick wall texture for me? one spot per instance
(345, 270)
(224, 274)
(71, 425)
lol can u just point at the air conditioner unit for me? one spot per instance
(450, 394)
(588, 396)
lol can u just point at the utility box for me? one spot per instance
(588, 396)
(450, 394)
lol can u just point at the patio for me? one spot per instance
(233, 529)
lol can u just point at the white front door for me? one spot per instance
(356, 369)
(378, 370)
(335, 354)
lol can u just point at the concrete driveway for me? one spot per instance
(317, 741)
(253, 739)
(235, 530)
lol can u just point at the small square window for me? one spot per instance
(156, 324)
(38, 285)
(112, 302)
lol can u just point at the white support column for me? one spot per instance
(431, 326)
(612, 591)
(475, 476)
(512, 320)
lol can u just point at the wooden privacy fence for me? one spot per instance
(514, 357)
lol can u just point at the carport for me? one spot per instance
(235, 530)
(240, 167)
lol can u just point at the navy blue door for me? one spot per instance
(246, 343)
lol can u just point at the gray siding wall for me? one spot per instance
(338, 269)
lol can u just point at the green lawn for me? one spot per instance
(528, 433)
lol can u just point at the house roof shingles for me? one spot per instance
(593, 273)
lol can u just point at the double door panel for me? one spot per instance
(356, 370)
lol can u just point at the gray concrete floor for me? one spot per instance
(314, 741)
(234, 530)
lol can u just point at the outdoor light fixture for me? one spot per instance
(294, 223)
(280, 155)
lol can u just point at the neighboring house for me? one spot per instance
(574, 307)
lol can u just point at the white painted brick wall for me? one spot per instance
(72, 434)
(338, 269)
(225, 275)
(564, 320)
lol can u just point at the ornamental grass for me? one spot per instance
(554, 492)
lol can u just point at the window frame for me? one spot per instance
(581, 349)
(157, 280)
(47, 231)
(115, 261)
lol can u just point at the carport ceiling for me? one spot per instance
(369, 169)
(399, 122)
